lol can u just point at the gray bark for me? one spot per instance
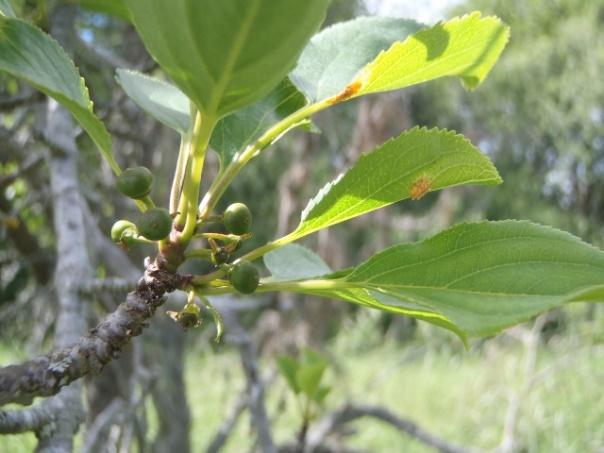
(47, 374)
(336, 420)
(73, 266)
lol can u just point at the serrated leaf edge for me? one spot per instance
(445, 132)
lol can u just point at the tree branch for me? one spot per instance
(229, 423)
(47, 374)
(255, 385)
(10, 103)
(332, 422)
(26, 420)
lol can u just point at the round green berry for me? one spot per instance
(135, 182)
(237, 218)
(155, 224)
(244, 277)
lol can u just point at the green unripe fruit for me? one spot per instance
(245, 277)
(237, 219)
(122, 229)
(155, 224)
(135, 182)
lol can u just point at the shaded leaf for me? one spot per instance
(239, 129)
(295, 262)
(28, 53)
(170, 106)
(321, 394)
(164, 102)
(115, 8)
(226, 55)
(478, 278)
(288, 367)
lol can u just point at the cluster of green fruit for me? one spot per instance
(155, 224)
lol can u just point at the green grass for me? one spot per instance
(457, 394)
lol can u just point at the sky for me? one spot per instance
(426, 11)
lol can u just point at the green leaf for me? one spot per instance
(321, 394)
(234, 132)
(345, 61)
(164, 102)
(288, 367)
(226, 54)
(309, 377)
(295, 262)
(115, 8)
(467, 47)
(417, 161)
(26, 52)
(334, 56)
(6, 8)
(476, 279)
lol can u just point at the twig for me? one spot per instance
(530, 338)
(106, 417)
(229, 423)
(350, 412)
(255, 385)
(112, 285)
(27, 166)
(30, 419)
(47, 374)
(8, 104)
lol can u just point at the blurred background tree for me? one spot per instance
(540, 116)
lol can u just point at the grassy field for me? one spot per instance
(461, 395)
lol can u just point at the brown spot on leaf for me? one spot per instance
(347, 93)
(420, 188)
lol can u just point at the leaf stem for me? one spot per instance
(263, 250)
(202, 131)
(199, 253)
(179, 175)
(268, 286)
(269, 137)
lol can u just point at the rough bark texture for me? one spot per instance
(47, 374)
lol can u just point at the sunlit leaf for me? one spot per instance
(334, 56)
(6, 8)
(366, 56)
(467, 47)
(409, 166)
